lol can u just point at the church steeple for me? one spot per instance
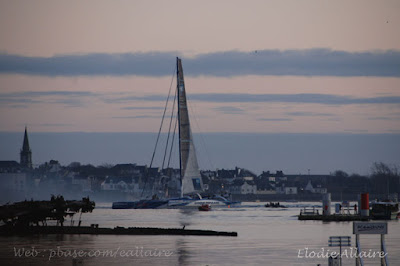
(26, 153)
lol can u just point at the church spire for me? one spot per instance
(26, 153)
(25, 146)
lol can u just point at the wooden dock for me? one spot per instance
(332, 217)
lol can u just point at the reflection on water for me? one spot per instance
(182, 252)
(265, 237)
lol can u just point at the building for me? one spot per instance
(10, 167)
(11, 177)
(82, 183)
(26, 153)
(309, 187)
(124, 184)
(286, 190)
(243, 187)
(318, 190)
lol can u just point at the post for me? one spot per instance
(340, 251)
(326, 204)
(384, 260)
(364, 204)
(359, 261)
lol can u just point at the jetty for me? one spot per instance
(332, 217)
(311, 213)
(344, 212)
(33, 218)
(32, 212)
(95, 230)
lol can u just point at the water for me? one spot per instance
(265, 237)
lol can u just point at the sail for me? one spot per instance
(190, 173)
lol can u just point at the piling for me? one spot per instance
(326, 204)
(364, 209)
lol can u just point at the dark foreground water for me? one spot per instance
(266, 237)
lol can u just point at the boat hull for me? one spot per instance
(140, 204)
(180, 203)
(196, 203)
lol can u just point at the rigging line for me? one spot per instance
(169, 129)
(159, 131)
(172, 142)
(201, 135)
(162, 120)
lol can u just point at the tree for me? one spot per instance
(340, 173)
(74, 165)
(385, 179)
(381, 169)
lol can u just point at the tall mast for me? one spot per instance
(179, 121)
(189, 168)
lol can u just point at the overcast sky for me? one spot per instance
(250, 66)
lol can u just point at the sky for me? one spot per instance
(265, 67)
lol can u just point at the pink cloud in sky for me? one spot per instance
(85, 103)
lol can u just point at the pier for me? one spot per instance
(332, 217)
(311, 213)
(95, 230)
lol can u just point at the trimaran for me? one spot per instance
(191, 182)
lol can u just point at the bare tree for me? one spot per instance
(385, 179)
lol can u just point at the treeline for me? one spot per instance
(383, 180)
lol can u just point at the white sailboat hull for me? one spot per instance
(195, 203)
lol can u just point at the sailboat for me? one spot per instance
(191, 182)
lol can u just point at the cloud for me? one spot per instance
(229, 110)
(54, 125)
(308, 114)
(136, 117)
(384, 118)
(143, 108)
(67, 98)
(145, 64)
(17, 101)
(48, 93)
(275, 119)
(272, 98)
(356, 131)
(311, 62)
(394, 131)
(17, 106)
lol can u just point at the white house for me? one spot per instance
(118, 184)
(319, 190)
(243, 187)
(309, 187)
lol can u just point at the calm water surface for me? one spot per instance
(265, 237)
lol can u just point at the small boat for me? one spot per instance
(274, 205)
(384, 210)
(204, 208)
